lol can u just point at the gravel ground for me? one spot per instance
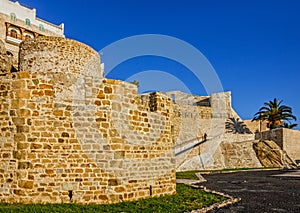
(260, 191)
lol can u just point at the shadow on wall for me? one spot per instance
(236, 126)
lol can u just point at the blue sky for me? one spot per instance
(254, 46)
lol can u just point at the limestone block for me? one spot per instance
(69, 186)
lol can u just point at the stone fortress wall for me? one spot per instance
(223, 149)
(68, 133)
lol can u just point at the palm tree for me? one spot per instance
(135, 82)
(275, 114)
(289, 126)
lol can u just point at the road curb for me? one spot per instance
(230, 200)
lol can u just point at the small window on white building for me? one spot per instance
(42, 28)
(13, 33)
(28, 35)
(13, 17)
(27, 21)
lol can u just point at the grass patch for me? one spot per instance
(191, 174)
(186, 199)
(187, 175)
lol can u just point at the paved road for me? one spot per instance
(260, 191)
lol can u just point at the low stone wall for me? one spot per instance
(256, 126)
(231, 137)
(70, 134)
(236, 151)
(240, 155)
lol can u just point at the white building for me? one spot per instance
(18, 22)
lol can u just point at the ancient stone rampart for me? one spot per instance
(221, 149)
(196, 116)
(69, 134)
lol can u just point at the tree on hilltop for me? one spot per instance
(276, 115)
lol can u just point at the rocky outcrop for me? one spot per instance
(271, 155)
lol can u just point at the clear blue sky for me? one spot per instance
(254, 45)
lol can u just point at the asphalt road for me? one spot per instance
(260, 191)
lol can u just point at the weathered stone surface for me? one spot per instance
(23, 165)
(286, 139)
(2, 47)
(66, 128)
(271, 155)
(69, 186)
(5, 60)
(25, 184)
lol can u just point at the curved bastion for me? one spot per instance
(56, 54)
(69, 134)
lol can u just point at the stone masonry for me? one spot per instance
(69, 134)
(197, 115)
(287, 140)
